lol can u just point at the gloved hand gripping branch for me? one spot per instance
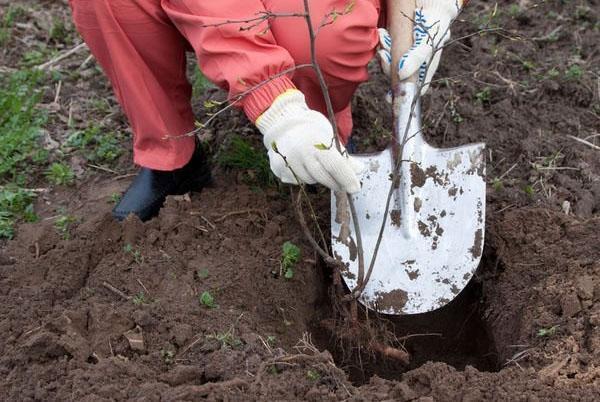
(430, 33)
(300, 145)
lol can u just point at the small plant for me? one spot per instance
(456, 117)
(484, 96)
(15, 203)
(63, 225)
(226, 339)
(105, 147)
(271, 340)
(553, 73)
(168, 356)
(528, 65)
(289, 258)
(20, 125)
(115, 198)
(136, 254)
(13, 14)
(58, 31)
(574, 72)
(313, 375)
(207, 300)
(547, 332)
(140, 299)
(202, 273)
(497, 184)
(60, 174)
(529, 190)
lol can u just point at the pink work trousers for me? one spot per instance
(141, 46)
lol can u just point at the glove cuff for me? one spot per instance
(445, 8)
(289, 105)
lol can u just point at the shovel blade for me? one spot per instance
(434, 232)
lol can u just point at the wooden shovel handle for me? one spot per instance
(400, 16)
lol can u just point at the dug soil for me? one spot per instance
(193, 304)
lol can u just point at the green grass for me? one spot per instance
(574, 72)
(199, 83)
(99, 146)
(20, 154)
(15, 203)
(12, 14)
(20, 124)
(63, 224)
(240, 154)
(60, 174)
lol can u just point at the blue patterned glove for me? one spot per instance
(431, 31)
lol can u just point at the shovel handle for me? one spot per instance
(400, 26)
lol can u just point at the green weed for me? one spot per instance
(574, 72)
(547, 332)
(497, 184)
(271, 340)
(168, 356)
(35, 57)
(289, 258)
(20, 125)
(13, 13)
(15, 203)
(484, 96)
(115, 198)
(140, 299)
(313, 375)
(60, 174)
(528, 65)
(226, 339)
(553, 73)
(99, 146)
(136, 254)
(207, 300)
(63, 225)
(255, 164)
(202, 273)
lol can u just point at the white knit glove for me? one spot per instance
(301, 147)
(431, 31)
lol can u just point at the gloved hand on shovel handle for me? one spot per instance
(431, 32)
(300, 145)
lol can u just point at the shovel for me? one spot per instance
(434, 209)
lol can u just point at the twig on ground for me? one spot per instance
(503, 175)
(143, 287)
(585, 142)
(115, 290)
(62, 56)
(104, 169)
(261, 212)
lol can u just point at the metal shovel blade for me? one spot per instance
(434, 231)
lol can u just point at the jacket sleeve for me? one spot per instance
(236, 56)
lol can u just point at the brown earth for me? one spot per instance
(526, 328)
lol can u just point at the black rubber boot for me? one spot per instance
(148, 191)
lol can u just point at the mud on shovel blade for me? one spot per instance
(434, 231)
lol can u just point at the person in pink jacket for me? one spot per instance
(141, 46)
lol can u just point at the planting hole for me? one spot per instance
(456, 334)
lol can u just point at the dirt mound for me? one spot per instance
(91, 317)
